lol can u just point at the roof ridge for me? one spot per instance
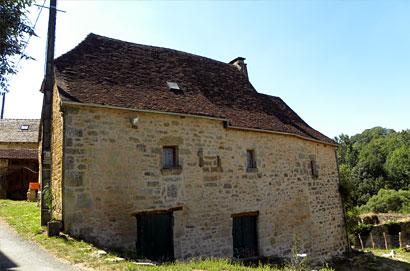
(90, 35)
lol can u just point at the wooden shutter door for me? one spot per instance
(155, 236)
(244, 233)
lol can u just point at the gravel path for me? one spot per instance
(19, 254)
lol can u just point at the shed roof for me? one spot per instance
(11, 130)
(107, 71)
(19, 154)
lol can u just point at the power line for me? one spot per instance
(29, 36)
(18, 62)
(51, 7)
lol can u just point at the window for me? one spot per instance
(169, 157)
(250, 159)
(314, 170)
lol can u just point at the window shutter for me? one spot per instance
(169, 157)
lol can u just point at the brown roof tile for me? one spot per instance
(10, 130)
(106, 71)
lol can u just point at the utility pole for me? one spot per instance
(46, 118)
(2, 105)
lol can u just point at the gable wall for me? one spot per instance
(57, 139)
(112, 171)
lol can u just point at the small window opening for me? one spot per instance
(250, 159)
(24, 127)
(218, 161)
(314, 170)
(170, 157)
(201, 157)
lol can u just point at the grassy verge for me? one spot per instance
(24, 217)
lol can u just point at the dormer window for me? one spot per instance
(24, 127)
(173, 86)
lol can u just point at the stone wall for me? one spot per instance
(56, 157)
(381, 218)
(375, 237)
(112, 170)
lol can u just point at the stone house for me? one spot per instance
(176, 155)
(18, 157)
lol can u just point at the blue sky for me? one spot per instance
(343, 66)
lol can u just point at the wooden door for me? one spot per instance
(155, 236)
(244, 232)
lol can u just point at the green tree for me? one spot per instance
(372, 158)
(373, 165)
(368, 135)
(14, 28)
(346, 154)
(346, 186)
(398, 167)
(370, 161)
(388, 201)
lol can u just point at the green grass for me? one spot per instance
(24, 217)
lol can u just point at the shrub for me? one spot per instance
(352, 223)
(363, 229)
(388, 201)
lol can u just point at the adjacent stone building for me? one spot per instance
(177, 156)
(18, 157)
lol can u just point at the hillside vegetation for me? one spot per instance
(374, 171)
(376, 159)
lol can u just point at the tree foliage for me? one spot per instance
(378, 158)
(14, 28)
(388, 201)
(397, 166)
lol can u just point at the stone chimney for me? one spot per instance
(240, 64)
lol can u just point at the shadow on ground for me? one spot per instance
(370, 262)
(356, 261)
(6, 263)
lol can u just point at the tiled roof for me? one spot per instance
(10, 130)
(106, 71)
(19, 154)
